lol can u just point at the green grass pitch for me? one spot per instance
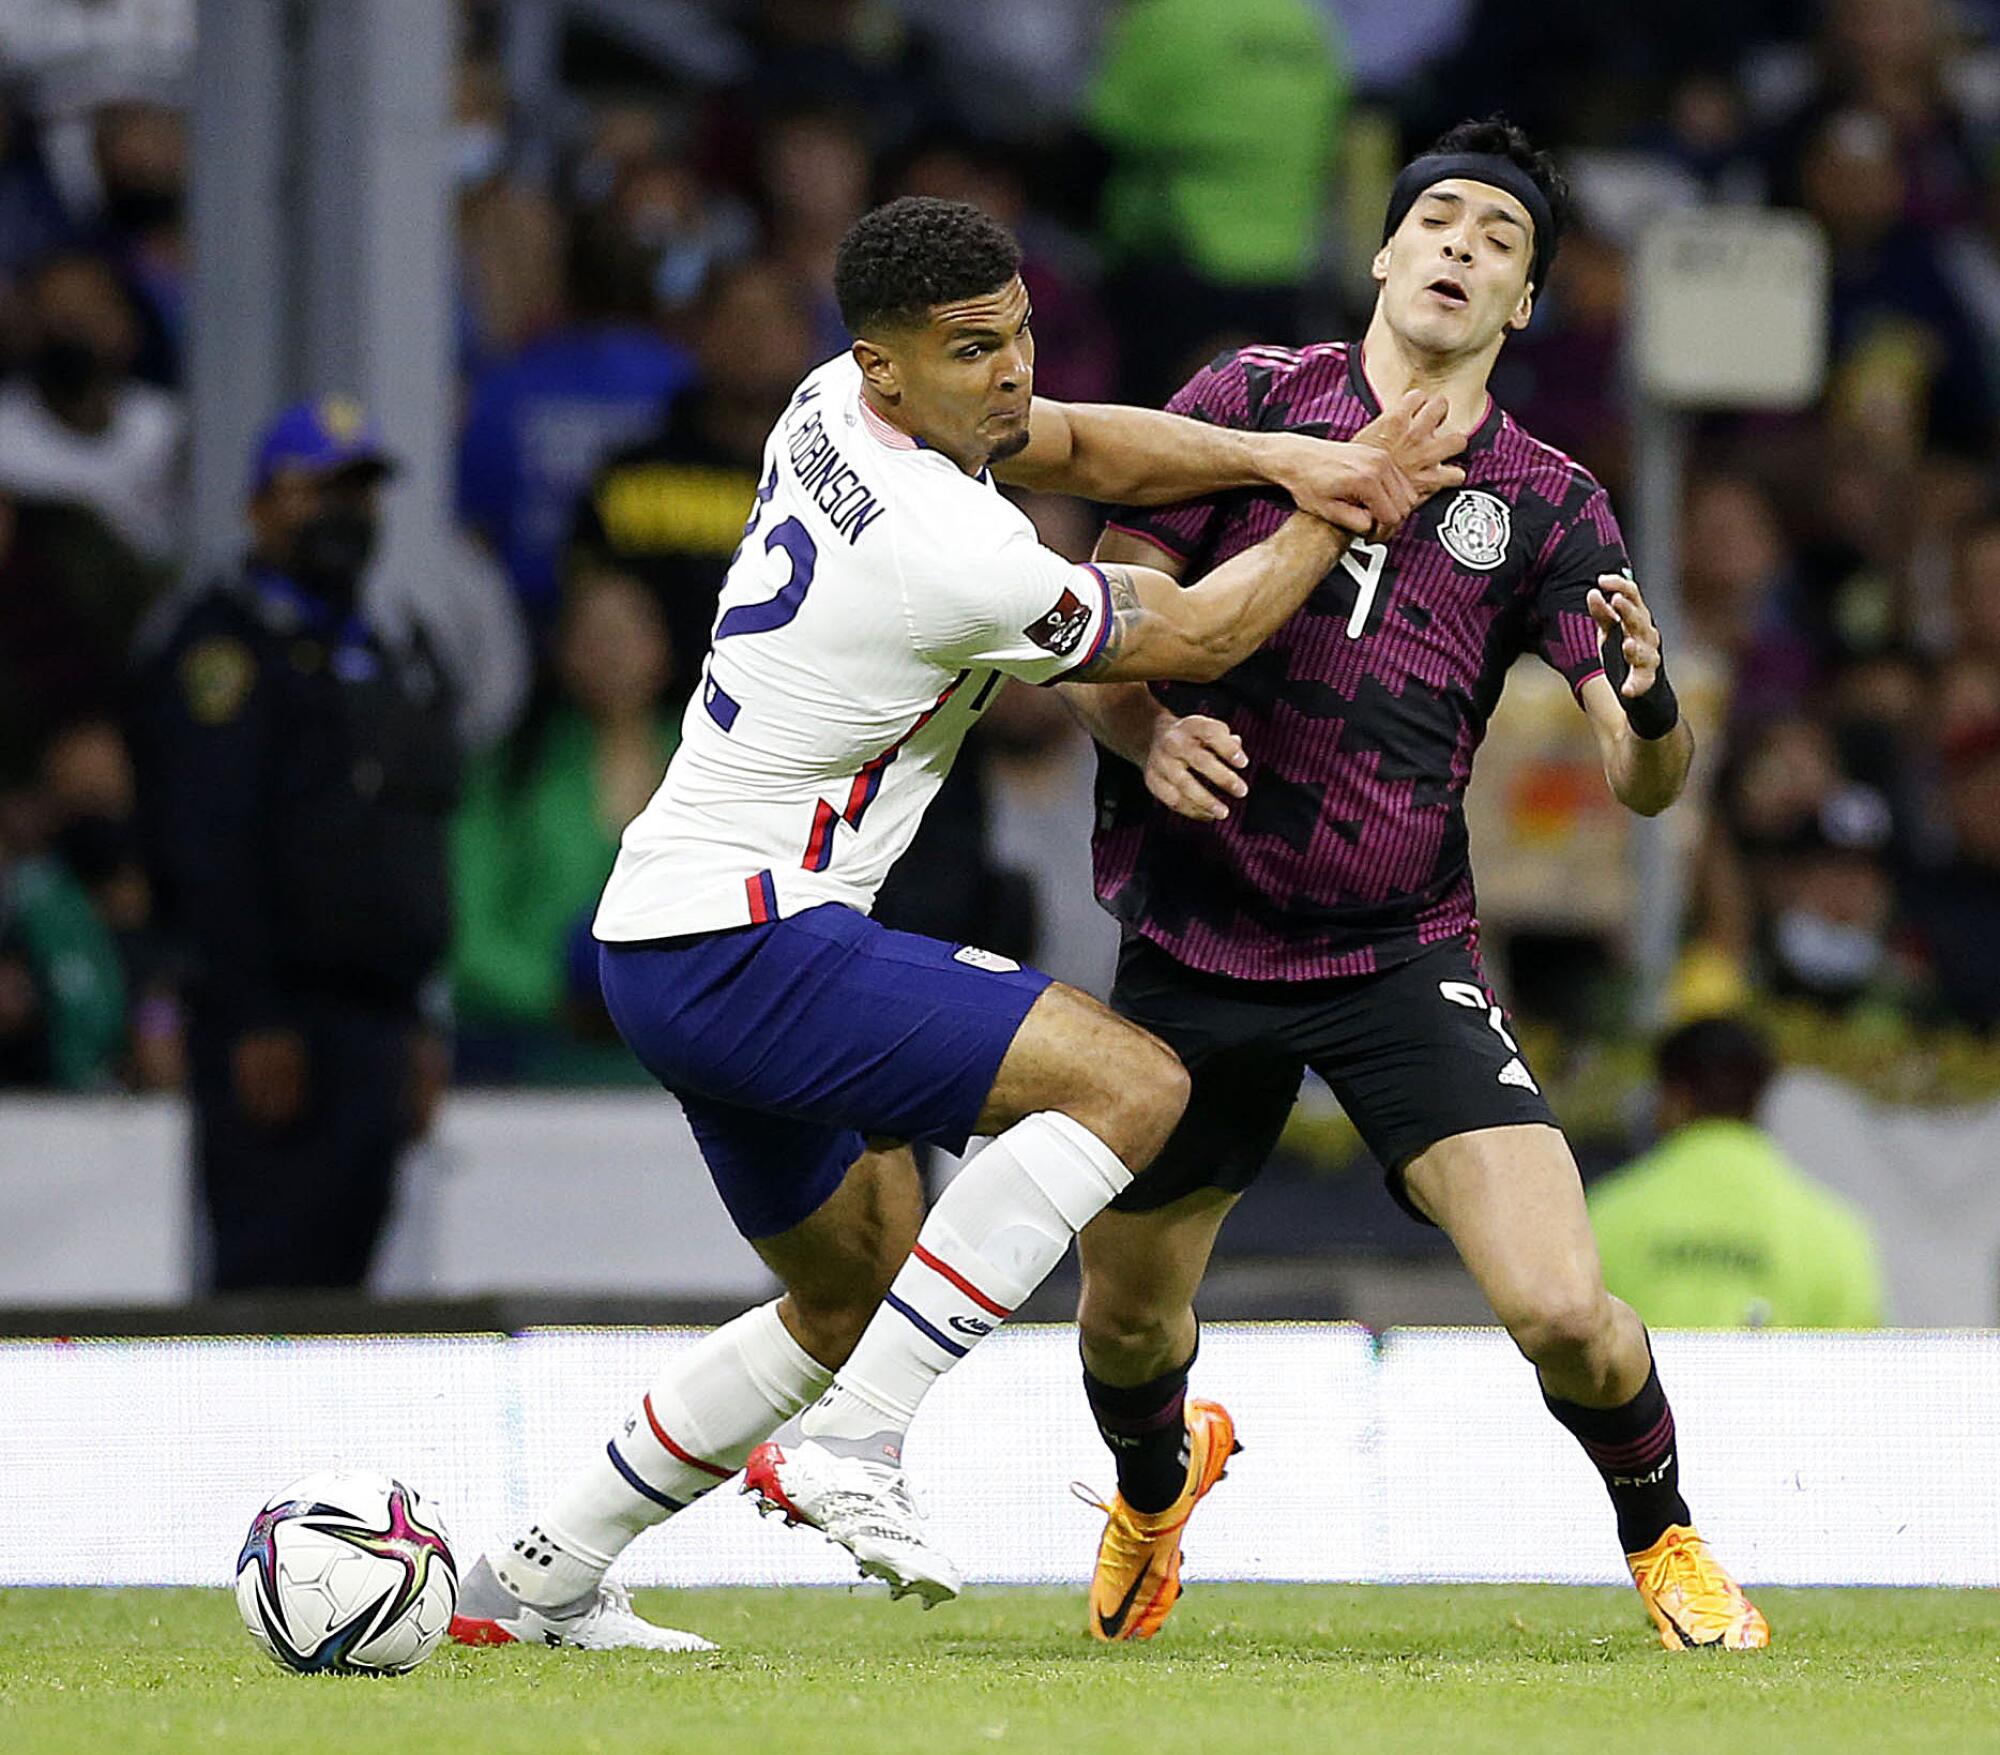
(1242, 1670)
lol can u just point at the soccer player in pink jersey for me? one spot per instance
(1286, 848)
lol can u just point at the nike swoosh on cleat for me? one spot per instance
(1113, 1624)
(1688, 1641)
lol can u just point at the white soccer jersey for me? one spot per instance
(878, 597)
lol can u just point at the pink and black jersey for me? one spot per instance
(1361, 715)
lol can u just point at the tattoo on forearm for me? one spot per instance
(1126, 611)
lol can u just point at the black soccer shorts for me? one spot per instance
(1415, 1054)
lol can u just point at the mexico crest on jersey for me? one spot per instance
(1475, 528)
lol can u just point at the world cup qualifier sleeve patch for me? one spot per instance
(1063, 627)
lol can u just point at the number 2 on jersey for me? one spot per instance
(1365, 561)
(799, 548)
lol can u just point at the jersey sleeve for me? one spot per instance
(1220, 394)
(1013, 605)
(1585, 542)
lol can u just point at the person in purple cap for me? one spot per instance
(297, 772)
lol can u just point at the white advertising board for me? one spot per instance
(1807, 1458)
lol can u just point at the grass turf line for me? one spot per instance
(1267, 1669)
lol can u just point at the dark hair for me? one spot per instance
(902, 258)
(1721, 1065)
(607, 276)
(1500, 138)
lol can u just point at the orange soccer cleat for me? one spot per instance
(1138, 1578)
(1692, 1599)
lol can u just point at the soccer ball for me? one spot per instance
(346, 1571)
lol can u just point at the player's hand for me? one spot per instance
(1355, 487)
(1191, 767)
(1415, 436)
(269, 1069)
(1621, 614)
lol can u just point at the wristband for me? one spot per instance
(1656, 712)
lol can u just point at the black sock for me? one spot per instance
(1147, 1432)
(1633, 1448)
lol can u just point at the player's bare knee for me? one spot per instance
(1157, 1089)
(1136, 1335)
(1563, 1329)
(1134, 1092)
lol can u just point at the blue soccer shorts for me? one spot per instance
(790, 1042)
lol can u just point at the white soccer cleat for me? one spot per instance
(490, 1614)
(864, 1506)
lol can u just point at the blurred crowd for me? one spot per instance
(644, 274)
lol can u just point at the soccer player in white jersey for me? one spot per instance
(883, 590)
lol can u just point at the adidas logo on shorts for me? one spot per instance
(1514, 1073)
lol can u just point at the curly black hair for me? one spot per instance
(1499, 137)
(915, 252)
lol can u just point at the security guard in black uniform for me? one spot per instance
(297, 772)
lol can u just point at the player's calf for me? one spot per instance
(829, 1328)
(1082, 1099)
(1143, 1425)
(1136, 1360)
(836, 1265)
(1005, 1220)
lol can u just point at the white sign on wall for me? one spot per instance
(134, 1463)
(1729, 308)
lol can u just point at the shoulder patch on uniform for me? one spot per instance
(1061, 629)
(216, 675)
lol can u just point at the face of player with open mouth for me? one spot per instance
(964, 380)
(1454, 274)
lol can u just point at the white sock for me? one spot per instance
(1005, 1220)
(690, 1433)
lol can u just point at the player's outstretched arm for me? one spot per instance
(1123, 717)
(1645, 744)
(1190, 763)
(1140, 457)
(1162, 633)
